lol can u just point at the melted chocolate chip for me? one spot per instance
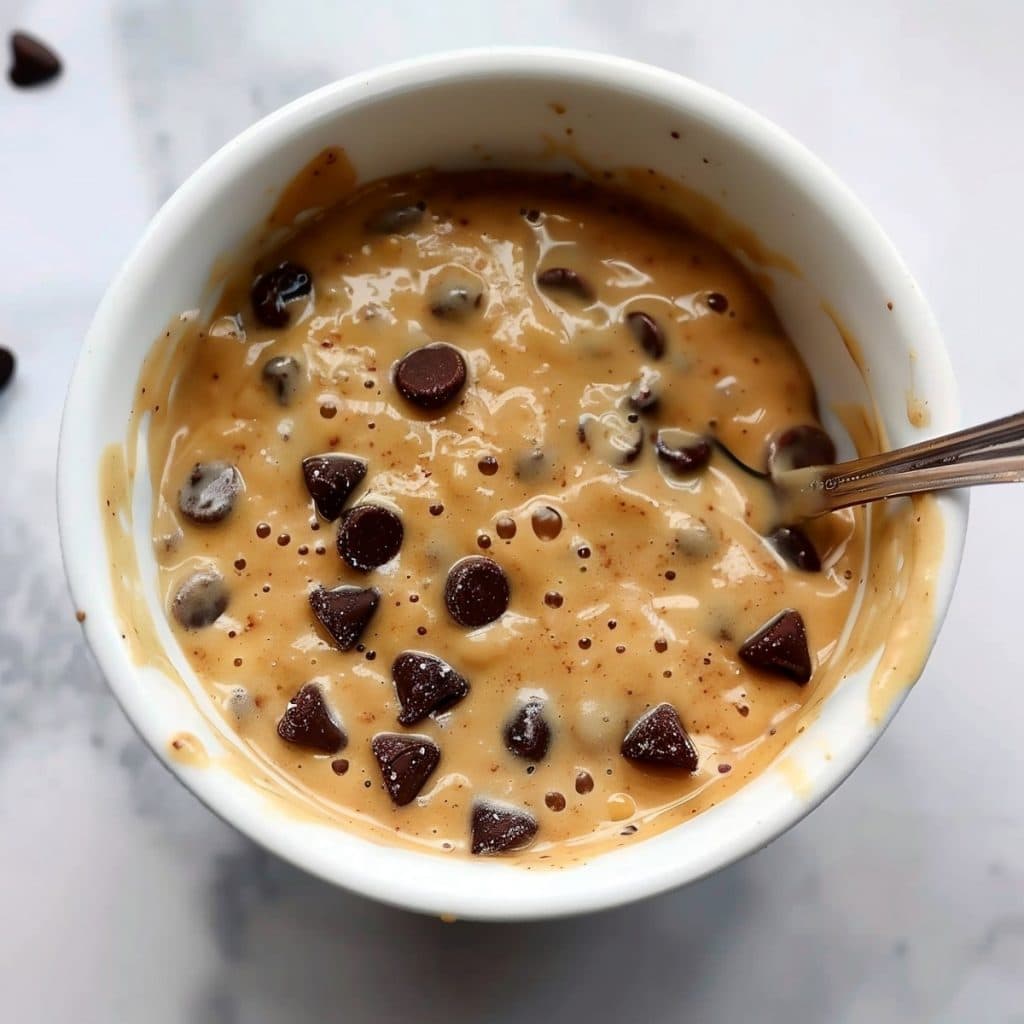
(796, 548)
(498, 828)
(282, 376)
(200, 600)
(7, 364)
(801, 446)
(658, 738)
(682, 451)
(32, 61)
(344, 612)
(210, 491)
(396, 220)
(273, 291)
(645, 395)
(780, 647)
(307, 722)
(425, 684)
(369, 535)
(528, 734)
(562, 279)
(648, 334)
(406, 762)
(477, 591)
(331, 479)
(455, 302)
(432, 376)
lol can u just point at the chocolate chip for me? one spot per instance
(562, 279)
(658, 738)
(307, 722)
(801, 446)
(432, 376)
(780, 647)
(611, 437)
(645, 394)
(273, 291)
(528, 734)
(406, 762)
(796, 548)
(498, 828)
(339, 766)
(282, 376)
(32, 61)
(425, 684)
(396, 220)
(369, 535)
(554, 801)
(717, 302)
(454, 301)
(505, 527)
(681, 450)
(476, 591)
(648, 334)
(200, 600)
(330, 479)
(344, 612)
(210, 491)
(7, 364)
(546, 522)
(584, 783)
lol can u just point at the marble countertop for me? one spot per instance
(901, 899)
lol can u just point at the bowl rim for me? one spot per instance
(81, 563)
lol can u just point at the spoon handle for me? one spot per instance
(992, 453)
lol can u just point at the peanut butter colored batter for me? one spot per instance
(642, 595)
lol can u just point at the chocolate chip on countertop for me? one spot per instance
(431, 376)
(801, 446)
(282, 375)
(406, 762)
(796, 548)
(396, 220)
(681, 450)
(528, 734)
(425, 684)
(273, 291)
(780, 647)
(201, 599)
(210, 491)
(331, 479)
(498, 828)
(32, 61)
(477, 591)
(611, 437)
(648, 334)
(562, 279)
(454, 300)
(369, 535)
(658, 738)
(344, 612)
(307, 722)
(7, 364)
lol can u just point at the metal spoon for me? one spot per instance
(992, 453)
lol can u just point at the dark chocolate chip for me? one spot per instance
(282, 375)
(32, 61)
(307, 722)
(658, 738)
(498, 828)
(583, 783)
(796, 548)
(546, 522)
(406, 762)
(717, 302)
(780, 647)
(369, 535)
(432, 376)
(273, 291)
(425, 684)
(476, 591)
(210, 491)
(648, 334)
(682, 451)
(331, 479)
(344, 612)
(611, 437)
(454, 301)
(528, 734)
(201, 599)
(396, 220)
(801, 446)
(562, 279)
(7, 364)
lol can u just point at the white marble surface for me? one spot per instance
(902, 899)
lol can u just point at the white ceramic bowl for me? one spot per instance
(500, 107)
